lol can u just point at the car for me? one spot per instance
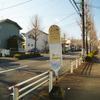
(33, 50)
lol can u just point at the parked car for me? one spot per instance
(33, 50)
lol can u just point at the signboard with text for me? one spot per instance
(55, 48)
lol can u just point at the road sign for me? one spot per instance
(55, 48)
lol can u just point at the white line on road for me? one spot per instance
(13, 69)
(47, 60)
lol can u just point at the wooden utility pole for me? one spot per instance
(83, 32)
(64, 42)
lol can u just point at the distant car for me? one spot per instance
(33, 50)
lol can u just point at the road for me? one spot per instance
(16, 71)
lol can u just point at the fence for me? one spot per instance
(75, 63)
(4, 52)
(18, 89)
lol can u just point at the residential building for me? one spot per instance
(28, 42)
(42, 41)
(66, 44)
(9, 29)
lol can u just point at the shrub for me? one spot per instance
(89, 57)
(66, 51)
(94, 52)
(24, 56)
(57, 93)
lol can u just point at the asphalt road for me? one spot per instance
(16, 71)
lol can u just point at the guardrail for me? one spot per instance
(18, 89)
(75, 63)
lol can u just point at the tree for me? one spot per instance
(45, 43)
(64, 42)
(35, 29)
(87, 22)
(93, 36)
(90, 30)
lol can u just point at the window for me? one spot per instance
(31, 44)
(29, 36)
(28, 44)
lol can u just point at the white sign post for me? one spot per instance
(55, 48)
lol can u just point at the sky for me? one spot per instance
(50, 12)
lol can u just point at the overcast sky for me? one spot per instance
(59, 12)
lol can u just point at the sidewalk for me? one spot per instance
(83, 84)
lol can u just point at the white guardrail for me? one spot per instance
(75, 63)
(18, 89)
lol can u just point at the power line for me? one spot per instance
(78, 11)
(76, 6)
(61, 19)
(16, 5)
(65, 18)
(69, 24)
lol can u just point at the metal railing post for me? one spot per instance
(76, 63)
(71, 64)
(16, 92)
(79, 61)
(50, 80)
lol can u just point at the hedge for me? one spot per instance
(57, 93)
(24, 56)
(89, 57)
(94, 52)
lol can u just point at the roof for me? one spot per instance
(29, 32)
(17, 37)
(23, 34)
(10, 21)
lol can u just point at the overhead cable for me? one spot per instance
(65, 18)
(78, 11)
(15, 5)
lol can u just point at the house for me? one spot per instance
(9, 30)
(65, 44)
(29, 43)
(71, 44)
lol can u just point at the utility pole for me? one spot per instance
(87, 29)
(64, 42)
(83, 32)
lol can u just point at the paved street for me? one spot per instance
(16, 71)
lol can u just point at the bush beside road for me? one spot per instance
(24, 56)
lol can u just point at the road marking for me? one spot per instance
(13, 69)
(47, 60)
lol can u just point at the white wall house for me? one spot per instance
(29, 43)
(68, 42)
